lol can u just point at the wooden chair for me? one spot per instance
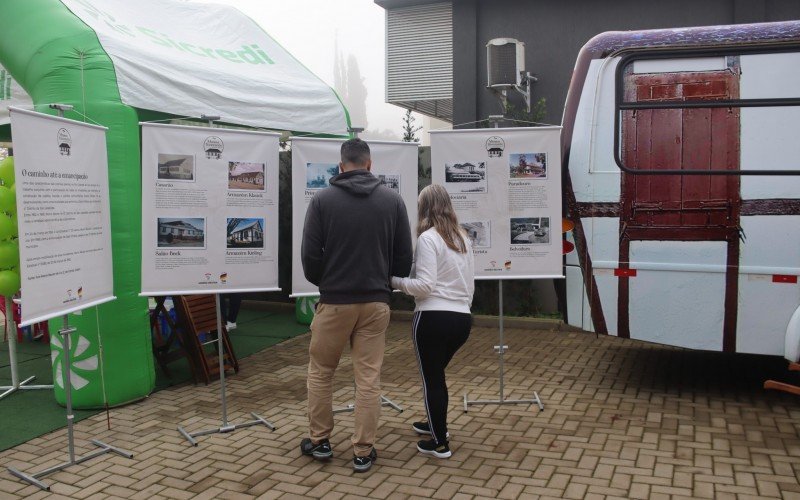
(197, 316)
(781, 386)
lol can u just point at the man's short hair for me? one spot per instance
(355, 151)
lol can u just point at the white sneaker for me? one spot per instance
(230, 326)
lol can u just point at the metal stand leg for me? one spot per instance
(225, 427)
(501, 349)
(33, 479)
(384, 402)
(16, 385)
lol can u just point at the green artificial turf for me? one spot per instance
(25, 415)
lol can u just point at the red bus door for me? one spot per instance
(681, 207)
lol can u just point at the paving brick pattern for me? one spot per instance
(623, 419)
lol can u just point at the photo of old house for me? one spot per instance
(319, 174)
(181, 232)
(246, 175)
(245, 233)
(175, 167)
(527, 165)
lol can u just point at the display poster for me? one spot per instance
(209, 210)
(61, 171)
(505, 185)
(315, 161)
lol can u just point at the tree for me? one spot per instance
(349, 85)
(409, 130)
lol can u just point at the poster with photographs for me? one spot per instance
(505, 185)
(209, 210)
(316, 161)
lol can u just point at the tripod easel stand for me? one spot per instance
(501, 349)
(16, 385)
(66, 360)
(226, 426)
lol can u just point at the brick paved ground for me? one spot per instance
(622, 419)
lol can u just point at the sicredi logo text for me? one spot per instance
(249, 53)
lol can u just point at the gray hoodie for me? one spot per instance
(355, 238)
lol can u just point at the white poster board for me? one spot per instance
(209, 210)
(61, 170)
(505, 185)
(315, 161)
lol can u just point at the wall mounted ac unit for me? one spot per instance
(505, 69)
(505, 62)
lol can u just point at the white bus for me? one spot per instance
(681, 161)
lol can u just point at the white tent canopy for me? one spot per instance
(189, 59)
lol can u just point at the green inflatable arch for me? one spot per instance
(57, 58)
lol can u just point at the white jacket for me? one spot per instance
(441, 278)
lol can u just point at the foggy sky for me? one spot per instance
(310, 29)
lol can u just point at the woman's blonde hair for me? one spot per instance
(436, 210)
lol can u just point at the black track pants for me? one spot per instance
(437, 336)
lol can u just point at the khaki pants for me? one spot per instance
(364, 327)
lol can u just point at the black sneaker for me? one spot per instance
(423, 428)
(430, 447)
(320, 451)
(363, 464)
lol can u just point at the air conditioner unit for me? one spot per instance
(505, 63)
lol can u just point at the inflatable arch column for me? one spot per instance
(56, 58)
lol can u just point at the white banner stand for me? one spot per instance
(386, 158)
(16, 385)
(65, 332)
(490, 156)
(226, 426)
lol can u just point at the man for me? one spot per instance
(356, 236)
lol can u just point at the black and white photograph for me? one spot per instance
(479, 233)
(175, 167)
(530, 230)
(246, 175)
(465, 177)
(181, 232)
(318, 175)
(527, 165)
(392, 181)
(245, 233)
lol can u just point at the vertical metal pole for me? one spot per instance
(500, 304)
(502, 339)
(221, 349)
(66, 368)
(11, 328)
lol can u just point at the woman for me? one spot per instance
(442, 284)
